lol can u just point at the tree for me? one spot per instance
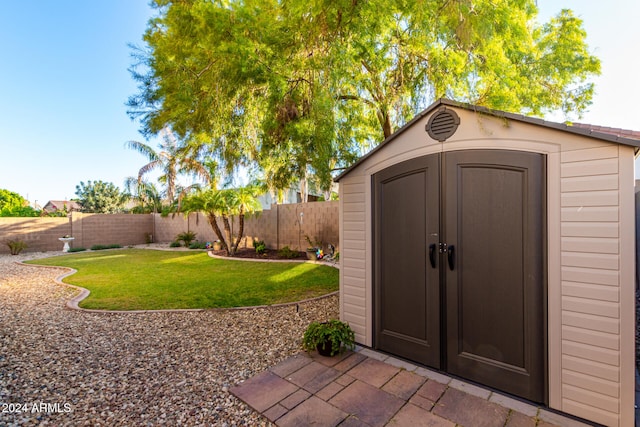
(225, 204)
(100, 197)
(301, 87)
(146, 194)
(169, 159)
(10, 200)
(14, 205)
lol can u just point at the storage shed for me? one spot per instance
(500, 249)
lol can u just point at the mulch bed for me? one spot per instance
(251, 253)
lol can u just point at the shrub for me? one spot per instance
(174, 245)
(198, 245)
(285, 252)
(77, 249)
(261, 248)
(101, 247)
(187, 237)
(16, 246)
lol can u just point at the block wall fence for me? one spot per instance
(282, 225)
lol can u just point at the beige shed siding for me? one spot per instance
(353, 304)
(591, 283)
(591, 225)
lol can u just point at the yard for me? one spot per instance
(138, 279)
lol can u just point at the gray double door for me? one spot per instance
(459, 269)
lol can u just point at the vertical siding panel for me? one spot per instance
(591, 282)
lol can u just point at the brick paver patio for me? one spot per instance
(366, 388)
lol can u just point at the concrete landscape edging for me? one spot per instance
(83, 293)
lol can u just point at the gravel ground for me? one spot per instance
(68, 368)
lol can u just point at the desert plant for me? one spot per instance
(187, 237)
(16, 246)
(174, 245)
(286, 252)
(329, 338)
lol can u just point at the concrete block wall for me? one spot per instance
(100, 229)
(40, 234)
(282, 225)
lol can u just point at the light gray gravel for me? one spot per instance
(104, 369)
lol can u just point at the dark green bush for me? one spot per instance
(101, 247)
(198, 245)
(174, 245)
(285, 252)
(260, 247)
(77, 249)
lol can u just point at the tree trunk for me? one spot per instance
(214, 224)
(229, 236)
(240, 225)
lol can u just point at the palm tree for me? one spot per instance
(171, 159)
(145, 193)
(224, 204)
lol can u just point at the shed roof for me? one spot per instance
(618, 136)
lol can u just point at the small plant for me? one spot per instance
(285, 252)
(329, 338)
(187, 237)
(148, 238)
(77, 249)
(261, 248)
(174, 245)
(16, 246)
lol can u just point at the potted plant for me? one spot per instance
(328, 338)
(312, 249)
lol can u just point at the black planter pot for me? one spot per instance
(324, 349)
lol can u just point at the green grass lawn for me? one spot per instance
(139, 279)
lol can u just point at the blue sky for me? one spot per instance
(64, 83)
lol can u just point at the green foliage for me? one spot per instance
(16, 246)
(186, 237)
(296, 89)
(175, 244)
(224, 204)
(14, 205)
(10, 200)
(77, 249)
(259, 246)
(198, 245)
(102, 247)
(23, 211)
(286, 252)
(100, 197)
(334, 333)
(142, 279)
(171, 160)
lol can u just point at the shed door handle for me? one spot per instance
(432, 255)
(451, 257)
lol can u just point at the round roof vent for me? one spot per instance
(442, 124)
